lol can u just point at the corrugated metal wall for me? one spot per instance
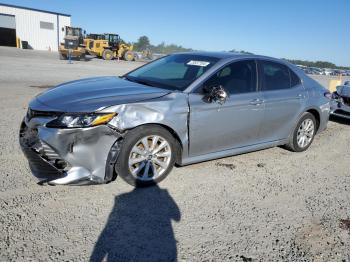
(28, 27)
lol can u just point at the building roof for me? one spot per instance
(34, 9)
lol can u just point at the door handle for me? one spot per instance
(300, 96)
(256, 102)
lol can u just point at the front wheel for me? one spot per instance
(147, 156)
(107, 54)
(303, 134)
(129, 56)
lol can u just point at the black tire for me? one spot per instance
(129, 56)
(293, 143)
(107, 54)
(132, 137)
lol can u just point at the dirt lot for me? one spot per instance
(263, 206)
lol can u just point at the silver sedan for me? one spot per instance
(181, 109)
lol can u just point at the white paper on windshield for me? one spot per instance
(198, 63)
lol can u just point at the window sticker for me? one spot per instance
(198, 63)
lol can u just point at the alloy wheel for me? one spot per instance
(305, 133)
(149, 158)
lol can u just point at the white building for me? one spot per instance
(42, 30)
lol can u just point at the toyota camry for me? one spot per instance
(178, 110)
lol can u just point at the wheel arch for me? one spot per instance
(311, 110)
(317, 116)
(173, 133)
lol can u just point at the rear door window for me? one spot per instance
(275, 76)
(294, 79)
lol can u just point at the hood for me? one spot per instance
(92, 94)
(343, 90)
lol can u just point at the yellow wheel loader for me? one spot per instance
(73, 45)
(108, 46)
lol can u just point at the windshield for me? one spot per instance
(112, 38)
(72, 31)
(174, 72)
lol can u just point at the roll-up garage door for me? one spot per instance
(7, 30)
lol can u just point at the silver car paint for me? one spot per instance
(205, 131)
(93, 94)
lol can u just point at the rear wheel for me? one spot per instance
(129, 56)
(107, 54)
(147, 156)
(303, 134)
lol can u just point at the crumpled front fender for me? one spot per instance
(171, 111)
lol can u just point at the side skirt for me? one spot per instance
(232, 152)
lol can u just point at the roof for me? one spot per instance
(34, 9)
(227, 55)
(219, 55)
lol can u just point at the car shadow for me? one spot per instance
(139, 228)
(339, 120)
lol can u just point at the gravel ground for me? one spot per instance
(271, 205)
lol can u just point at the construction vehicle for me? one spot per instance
(73, 45)
(95, 36)
(108, 46)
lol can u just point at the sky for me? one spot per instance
(295, 29)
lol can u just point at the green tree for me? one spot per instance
(241, 52)
(320, 64)
(142, 43)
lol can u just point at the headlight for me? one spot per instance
(81, 120)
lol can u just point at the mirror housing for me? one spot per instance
(216, 94)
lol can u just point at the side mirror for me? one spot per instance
(216, 94)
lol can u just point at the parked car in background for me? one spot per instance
(340, 105)
(181, 109)
(328, 72)
(316, 70)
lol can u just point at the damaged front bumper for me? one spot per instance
(70, 156)
(341, 107)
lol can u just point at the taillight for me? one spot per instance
(328, 95)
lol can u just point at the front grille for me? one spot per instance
(28, 137)
(346, 100)
(41, 168)
(49, 152)
(71, 43)
(44, 162)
